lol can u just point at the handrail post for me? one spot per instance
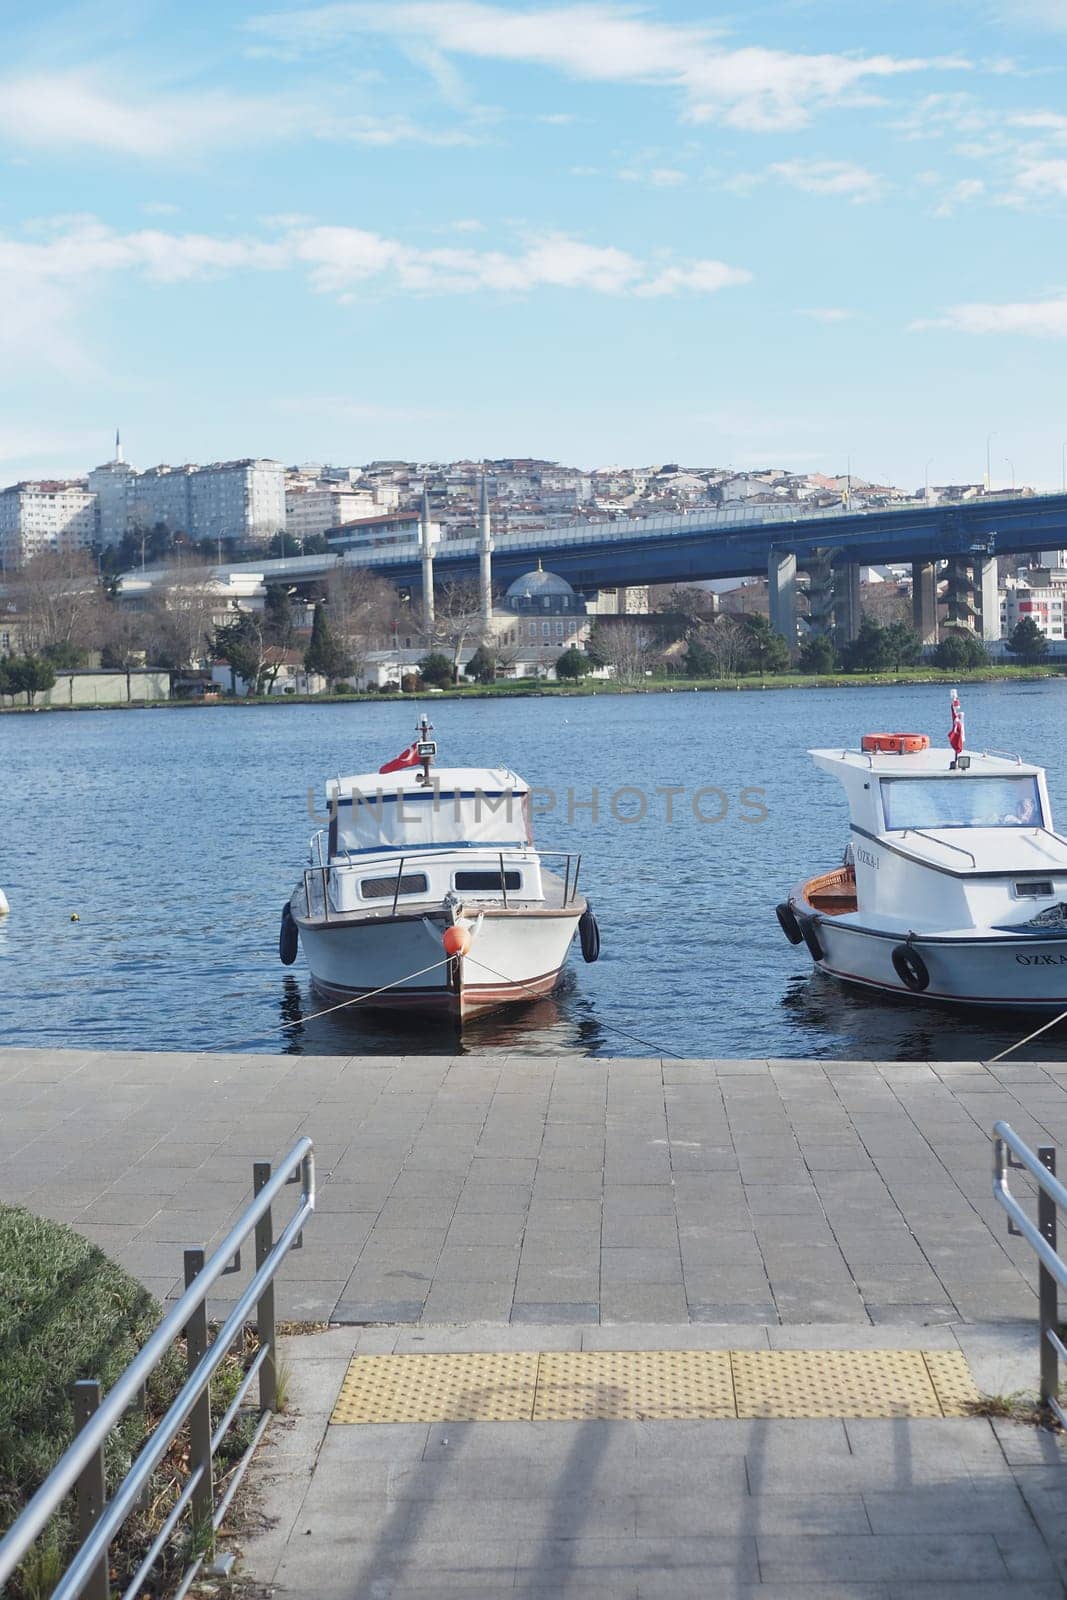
(91, 1490)
(1048, 1289)
(203, 1501)
(265, 1320)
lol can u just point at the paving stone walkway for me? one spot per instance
(487, 1203)
(519, 1190)
(961, 1509)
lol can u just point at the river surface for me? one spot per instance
(176, 836)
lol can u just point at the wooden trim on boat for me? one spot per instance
(832, 894)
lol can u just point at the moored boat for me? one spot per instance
(954, 883)
(426, 893)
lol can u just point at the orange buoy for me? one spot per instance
(457, 940)
(895, 744)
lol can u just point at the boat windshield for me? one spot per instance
(961, 802)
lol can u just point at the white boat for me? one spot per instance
(428, 894)
(954, 884)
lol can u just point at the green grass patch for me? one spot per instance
(67, 1312)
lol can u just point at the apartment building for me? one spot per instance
(49, 516)
(313, 508)
(1035, 594)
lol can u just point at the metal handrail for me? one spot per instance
(81, 1465)
(959, 848)
(1041, 1237)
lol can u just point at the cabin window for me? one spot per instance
(487, 881)
(961, 802)
(385, 888)
(1035, 889)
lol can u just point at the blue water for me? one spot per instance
(175, 836)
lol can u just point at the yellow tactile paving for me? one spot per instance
(951, 1377)
(653, 1385)
(438, 1388)
(833, 1383)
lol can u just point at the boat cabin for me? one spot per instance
(412, 836)
(970, 841)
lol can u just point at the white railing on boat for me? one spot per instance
(317, 878)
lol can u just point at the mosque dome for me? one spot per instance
(544, 592)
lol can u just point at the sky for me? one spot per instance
(802, 234)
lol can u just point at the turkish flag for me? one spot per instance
(955, 733)
(406, 758)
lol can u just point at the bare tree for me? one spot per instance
(457, 618)
(179, 627)
(624, 646)
(725, 646)
(361, 607)
(59, 596)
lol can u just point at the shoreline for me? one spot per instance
(932, 676)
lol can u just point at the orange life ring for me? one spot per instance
(895, 744)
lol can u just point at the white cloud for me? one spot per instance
(845, 179)
(45, 277)
(656, 177)
(1043, 179)
(62, 110)
(827, 314)
(749, 87)
(960, 194)
(1039, 319)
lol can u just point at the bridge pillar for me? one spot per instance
(987, 587)
(847, 613)
(924, 600)
(782, 594)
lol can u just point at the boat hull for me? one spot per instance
(400, 965)
(1000, 971)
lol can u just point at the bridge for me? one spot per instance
(831, 544)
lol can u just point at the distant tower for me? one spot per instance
(427, 561)
(118, 446)
(485, 559)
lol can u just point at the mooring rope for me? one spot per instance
(610, 1026)
(1036, 1034)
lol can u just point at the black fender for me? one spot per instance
(589, 934)
(809, 932)
(910, 968)
(288, 937)
(787, 921)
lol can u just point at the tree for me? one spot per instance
(868, 651)
(624, 646)
(325, 654)
(361, 610)
(6, 686)
(457, 618)
(481, 666)
(178, 628)
(573, 664)
(902, 645)
(1027, 641)
(817, 655)
(436, 670)
(960, 650)
(766, 650)
(717, 651)
(30, 675)
(243, 643)
(60, 599)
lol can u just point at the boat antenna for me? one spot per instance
(425, 747)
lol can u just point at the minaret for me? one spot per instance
(427, 562)
(485, 559)
(118, 446)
